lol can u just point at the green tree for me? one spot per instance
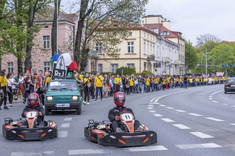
(191, 57)
(96, 14)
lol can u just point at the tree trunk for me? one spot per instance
(28, 61)
(2, 6)
(78, 41)
(54, 28)
(85, 53)
(19, 64)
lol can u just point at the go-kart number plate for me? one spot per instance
(31, 114)
(62, 105)
(127, 116)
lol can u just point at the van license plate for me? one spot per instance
(62, 105)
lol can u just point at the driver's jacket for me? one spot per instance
(37, 108)
(116, 111)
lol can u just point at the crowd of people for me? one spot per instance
(95, 86)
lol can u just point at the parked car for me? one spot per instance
(63, 94)
(229, 85)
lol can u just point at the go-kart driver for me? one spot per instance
(119, 100)
(33, 103)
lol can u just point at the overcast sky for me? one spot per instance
(196, 17)
(193, 17)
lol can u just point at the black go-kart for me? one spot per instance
(103, 134)
(29, 128)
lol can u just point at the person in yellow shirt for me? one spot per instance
(181, 82)
(86, 83)
(147, 83)
(117, 82)
(163, 83)
(48, 79)
(3, 83)
(99, 85)
(131, 82)
(156, 83)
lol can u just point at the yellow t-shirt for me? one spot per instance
(117, 80)
(48, 79)
(181, 80)
(99, 81)
(147, 81)
(177, 80)
(79, 77)
(163, 82)
(131, 81)
(3, 81)
(191, 80)
(156, 81)
(85, 81)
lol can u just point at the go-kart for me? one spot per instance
(102, 133)
(29, 128)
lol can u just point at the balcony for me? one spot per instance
(166, 59)
(151, 57)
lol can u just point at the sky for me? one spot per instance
(196, 17)
(193, 17)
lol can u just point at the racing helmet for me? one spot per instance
(33, 100)
(119, 99)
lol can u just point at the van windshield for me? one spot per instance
(63, 85)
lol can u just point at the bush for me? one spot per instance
(126, 71)
(145, 72)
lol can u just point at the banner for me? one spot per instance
(219, 73)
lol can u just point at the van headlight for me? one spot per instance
(49, 98)
(75, 98)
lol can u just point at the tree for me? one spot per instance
(202, 39)
(191, 57)
(101, 14)
(54, 27)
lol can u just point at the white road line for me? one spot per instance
(181, 111)
(194, 114)
(45, 153)
(156, 100)
(225, 104)
(201, 135)
(150, 108)
(62, 134)
(233, 124)
(65, 125)
(150, 105)
(180, 126)
(234, 106)
(68, 119)
(152, 100)
(167, 120)
(214, 101)
(214, 119)
(162, 105)
(210, 98)
(152, 111)
(86, 151)
(157, 115)
(194, 146)
(147, 148)
(169, 107)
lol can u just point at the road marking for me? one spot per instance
(86, 151)
(152, 100)
(214, 119)
(233, 106)
(157, 115)
(225, 104)
(68, 119)
(65, 125)
(169, 107)
(194, 146)
(167, 120)
(150, 105)
(210, 98)
(181, 111)
(233, 124)
(180, 126)
(214, 101)
(194, 114)
(46, 153)
(156, 100)
(201, 135)
(150, 108)
(152, 111)
(147, 148)
(162, 105)
(62, 134)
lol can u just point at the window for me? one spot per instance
(100, 68)
(98, 48)
(130, 33)
(46, 66)
(114, 68)
(46, 26)
(46, 42)
(130, 47)
(131, 65)
(9, 67)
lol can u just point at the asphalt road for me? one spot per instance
(189, 122)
